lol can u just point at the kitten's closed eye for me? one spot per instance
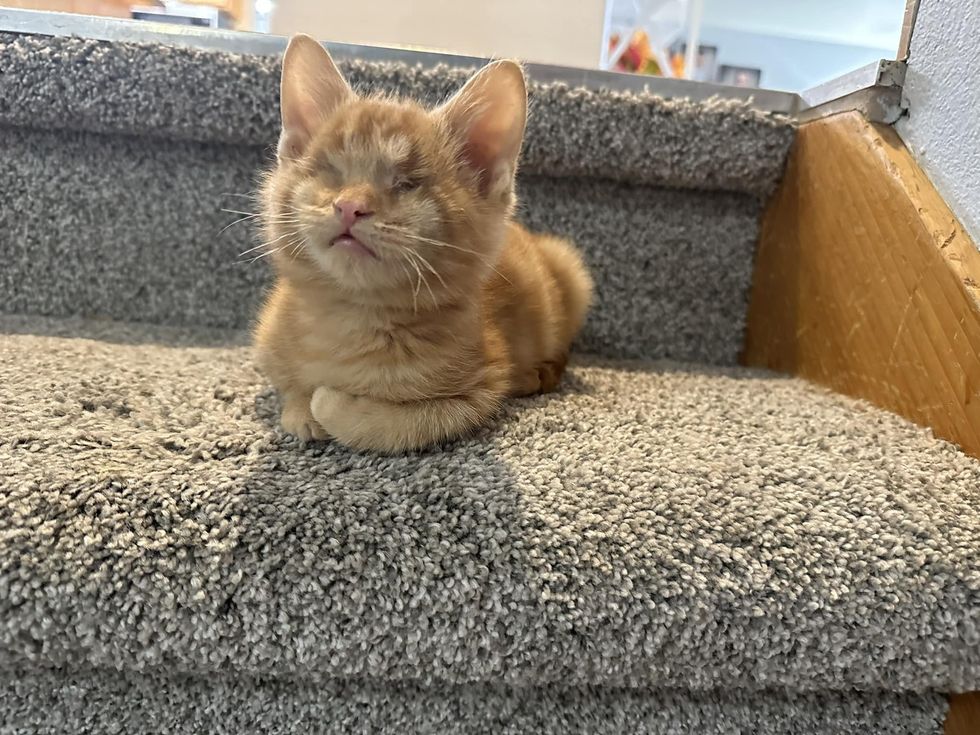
(329, 172)
(406, 183)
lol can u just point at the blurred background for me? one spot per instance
(790, 45)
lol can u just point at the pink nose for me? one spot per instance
(351, 210)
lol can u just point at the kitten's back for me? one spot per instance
(572, 279)
(540, 294)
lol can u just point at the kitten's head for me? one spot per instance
(383, 198)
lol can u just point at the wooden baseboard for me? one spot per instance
(866, 282)
(964, 714)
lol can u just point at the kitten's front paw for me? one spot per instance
(297, 420)
(325, 404)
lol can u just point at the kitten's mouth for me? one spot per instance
(346, 241)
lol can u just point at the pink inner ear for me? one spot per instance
(488, 114)
(301, 115)
(481, 158)
(306, 116)
(488, 149)
(312, 87)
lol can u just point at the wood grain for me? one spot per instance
(964, 715)
(865, 281)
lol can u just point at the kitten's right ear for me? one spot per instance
(311, 88)
(488, 116)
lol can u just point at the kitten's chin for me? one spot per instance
(353, 246)
(350, 263)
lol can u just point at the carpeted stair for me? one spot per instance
(672, 544)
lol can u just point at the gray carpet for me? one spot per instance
(96, 702)
(129, 228)
(652, 526)
(119, 216)
(184, 93)
(659, 548)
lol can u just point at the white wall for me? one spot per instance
(788, 63)
(943, 90)
(863, 23)
(566, 32)
(799, 44)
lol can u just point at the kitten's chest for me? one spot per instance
(377, 360)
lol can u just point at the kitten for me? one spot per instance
(408, 304)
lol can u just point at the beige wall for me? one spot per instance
(567, 32)
(109, 8)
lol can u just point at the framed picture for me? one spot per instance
(705, 63)
(739, 76)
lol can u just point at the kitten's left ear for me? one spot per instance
(489, 115)
(311, 88)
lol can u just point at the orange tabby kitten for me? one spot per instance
(408, 305)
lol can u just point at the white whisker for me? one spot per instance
(270, 252)
(418, 283)
(270, 217)
(297, 246)
(292, 233)
(439, 243)
(236, 222)
(415, 300)
(425, 280)
(431, 270)
(252, 250)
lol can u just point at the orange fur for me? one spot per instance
(460, 307)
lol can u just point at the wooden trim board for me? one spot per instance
(964, 715)
(865, 281)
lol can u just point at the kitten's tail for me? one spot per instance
(574, 282)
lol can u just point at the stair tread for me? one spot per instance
(111, 701)
(218, 97)
(651, 525)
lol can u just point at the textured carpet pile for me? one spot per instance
(89, 702)
(652, 527)
(112, 87)
(119, 159)
(660, 548)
